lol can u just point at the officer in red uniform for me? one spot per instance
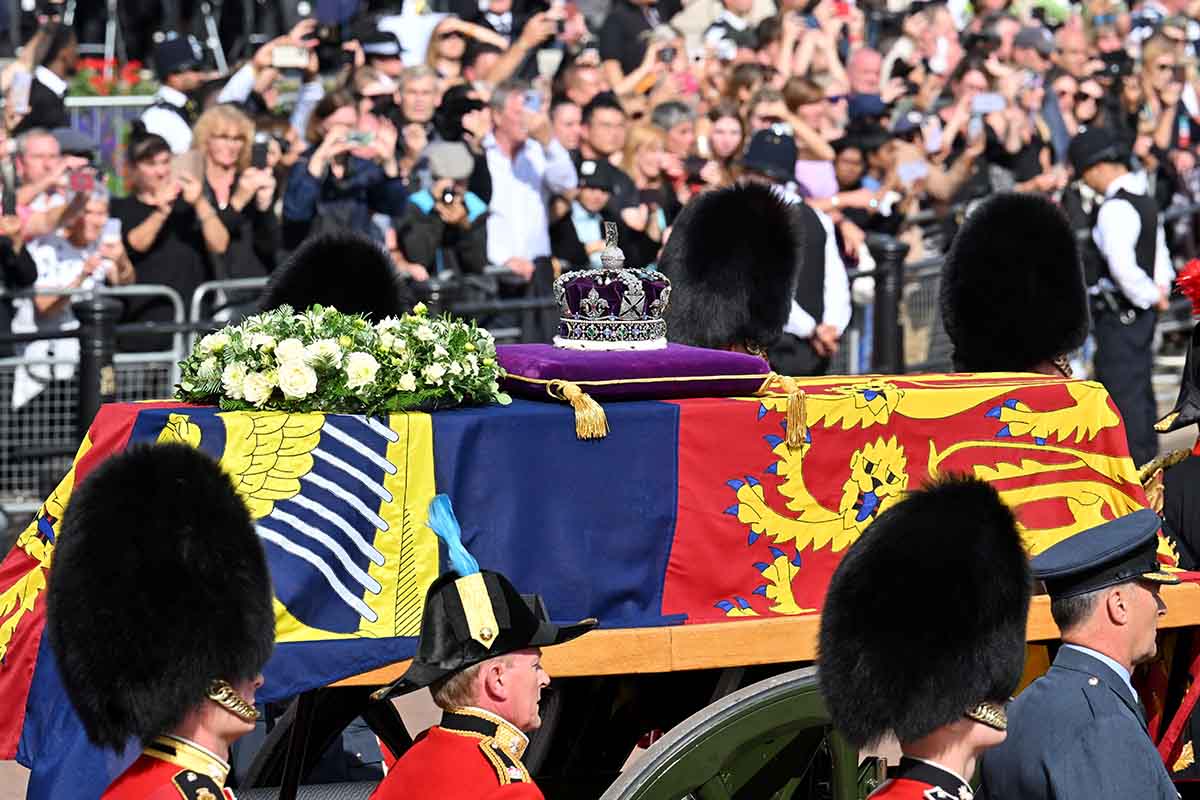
(160, 618)
(923, 635)
(480, 655)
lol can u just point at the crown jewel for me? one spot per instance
(612, 308)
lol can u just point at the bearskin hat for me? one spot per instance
(159, 586)
(925, 615)
(1012, 289)
(733, 258)
(343, 270)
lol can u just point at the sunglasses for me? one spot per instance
(1083, 97)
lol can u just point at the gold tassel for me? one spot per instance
(797, 424)
(590, 420)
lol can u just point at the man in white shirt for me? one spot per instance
(58, 64)
(1134, 283)
(177, 61)
(527, 166)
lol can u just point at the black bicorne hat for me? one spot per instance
(472, 615)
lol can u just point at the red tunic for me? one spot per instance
(922, 780)
(171, 768)
(472, 755)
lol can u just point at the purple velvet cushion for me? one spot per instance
(542, 362)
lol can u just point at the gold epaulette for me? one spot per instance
(499, 741)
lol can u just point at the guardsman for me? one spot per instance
(160, 618)
(1079, 731)
(480, 655)
(923, 635)
(1007, 306)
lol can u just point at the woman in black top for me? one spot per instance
(170, 228)
(242, 194)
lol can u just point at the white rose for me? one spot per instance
(425, 332)
(456, 368)
(262, 341)
(407, 382)
(472, 363)
(386, 339)
(297, 380)
(208, 368)
(439, 351)
(290, 350)
(433, 374)
(233, 378)
(256, 388)
(326, 351)
(387, 324)
(360, 370)
(214, 342)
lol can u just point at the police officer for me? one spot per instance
(480, 655)
(177, 61)
(160, 618)
(1079, 731)
(923, 635)
(1133, 280)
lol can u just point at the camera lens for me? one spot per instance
(448, 197)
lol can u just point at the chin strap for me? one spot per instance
(224, 695)
(991, 714)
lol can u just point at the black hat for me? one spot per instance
(159, 587)
(343, 270)
(1187, 405)
(596, 174)
(1012, 289)
(381, 44)
(472, 615)
(1117, 551)
(733, 259)
(1095, 146)
(772, 152)
(925, 616)
(177, 53)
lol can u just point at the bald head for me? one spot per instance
(863, 70)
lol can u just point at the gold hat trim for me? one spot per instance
(477, 606)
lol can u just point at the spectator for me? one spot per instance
(566, 120)
(444, 230)
(527, 166)
(242, 194)
(177, 61)
(58, 64)
(678, 121)
(448, 45)
(604, 138)
(16, 273)
(464, 117)
(43, 178)
(479, 62)
(382, 50)
(732, 30)
(349, 171)
(578, 238)
(864, 70)
(725, 140)
(623, 43)
(582, 82)
(170, 229)
(1071, 52)
(76, 258)
(646, 161)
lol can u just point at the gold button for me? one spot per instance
(486, 634)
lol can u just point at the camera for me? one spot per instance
(449, 196)
(667, 55)
(330, 55)
(1116, 65)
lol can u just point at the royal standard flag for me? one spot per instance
(688, 511)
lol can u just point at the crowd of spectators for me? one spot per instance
(495, 138)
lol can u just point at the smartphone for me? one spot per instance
(18, 92)
(289, 56)
(112, 230)
(987, 103)
(9, 202)
(549, 59)
(82, 181)
(361, 138)
(931, 133)
(258, 152)
(912, 171)
(533, 101)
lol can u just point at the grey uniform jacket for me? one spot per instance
(1075, 733)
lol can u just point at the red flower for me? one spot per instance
(100, 85)
(1188, 281)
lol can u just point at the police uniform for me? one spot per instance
(1134, 264)
(172, 115)
(470, 616)
(924, 627)
(1079, 731)
(159, 524)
